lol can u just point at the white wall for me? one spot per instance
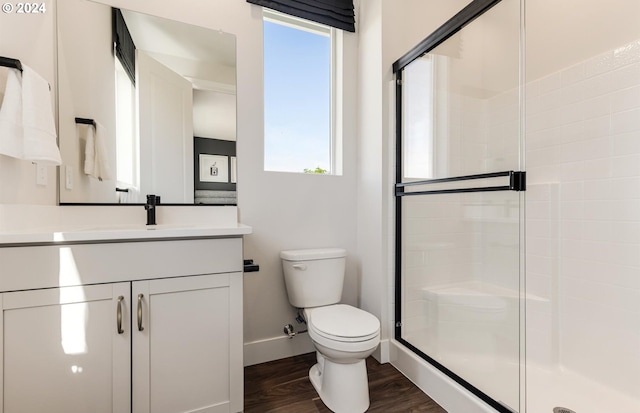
(29, 38)
(583, 226)
(86, 85)
(372, 167)
(572, 33)
(214, 115)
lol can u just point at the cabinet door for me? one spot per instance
(62, 352)
(187, 345)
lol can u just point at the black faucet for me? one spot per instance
(150, 206)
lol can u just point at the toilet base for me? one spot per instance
(343, 388)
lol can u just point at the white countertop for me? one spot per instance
(110, 233)
(42, 224)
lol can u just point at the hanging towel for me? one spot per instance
(87, 132)
(132, 196)
(11, 135)
(37, 117)
(96, 158)
(27, 128)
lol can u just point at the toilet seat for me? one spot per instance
(342, 323)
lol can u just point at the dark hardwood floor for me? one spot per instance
(283, 386)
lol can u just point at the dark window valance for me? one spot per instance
(334, 13)
(125, 49)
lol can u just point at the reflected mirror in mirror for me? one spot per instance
(146, 106)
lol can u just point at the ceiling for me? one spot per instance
(199, 54)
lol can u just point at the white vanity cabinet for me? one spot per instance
(186, 350)
(143, 327)
(61, 351)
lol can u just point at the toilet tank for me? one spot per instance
(314, 277)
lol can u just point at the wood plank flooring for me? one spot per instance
(283, 386)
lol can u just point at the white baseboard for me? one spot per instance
(382, 352)
(445, 391)
(275, 348)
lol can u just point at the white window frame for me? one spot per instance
(336, 81)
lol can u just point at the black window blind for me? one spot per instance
(125, 48)
(335, 13)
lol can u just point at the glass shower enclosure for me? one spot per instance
(565, 335)
(459, 201)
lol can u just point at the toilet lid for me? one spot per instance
(343, 323)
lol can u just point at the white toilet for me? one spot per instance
(342, 335)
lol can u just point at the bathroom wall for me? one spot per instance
(373, 167)
(87, 83)
(214, 114)
(29, 37)
(583, 135)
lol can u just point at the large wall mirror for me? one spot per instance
(146, 106)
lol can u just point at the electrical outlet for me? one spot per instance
(68, 173)
(41, 174)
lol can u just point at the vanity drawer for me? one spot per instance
(32, 267)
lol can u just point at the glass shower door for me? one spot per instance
(459, 201)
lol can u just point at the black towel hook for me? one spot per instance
(11, 63)
(86, 121)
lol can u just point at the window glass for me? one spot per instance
(418, 119)
(298, 95)
(126, 136)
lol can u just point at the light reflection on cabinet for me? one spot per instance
(62, 352)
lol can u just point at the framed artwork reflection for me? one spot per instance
(214, 168)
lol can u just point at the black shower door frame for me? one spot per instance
(516, 179)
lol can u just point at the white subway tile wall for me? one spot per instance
(583, 218)
(582, 226)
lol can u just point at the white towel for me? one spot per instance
(96, 158)
(88, 132)
(37, 117)
(130, 197)
(11, 135)
(27, 128)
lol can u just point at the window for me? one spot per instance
(126, 133)
(426, 118)
(419, 119)
(299, 95)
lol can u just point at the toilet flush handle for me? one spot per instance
(300, 267)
